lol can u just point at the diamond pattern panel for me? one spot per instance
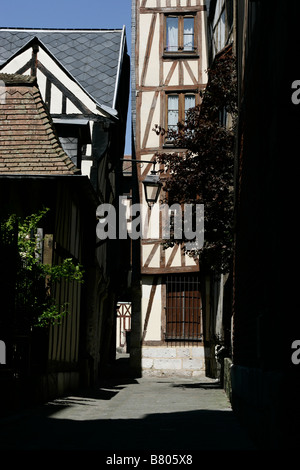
(90, 56)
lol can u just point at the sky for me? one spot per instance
(85, 14)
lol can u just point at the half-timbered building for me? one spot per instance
(83, 79)
(36, 173)
(169, 64)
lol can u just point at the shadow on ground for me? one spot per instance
(176, 432)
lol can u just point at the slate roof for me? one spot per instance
(28, 142)
(90, 56)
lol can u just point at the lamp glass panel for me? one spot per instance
(151, 192)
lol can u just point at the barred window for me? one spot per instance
(183, 308)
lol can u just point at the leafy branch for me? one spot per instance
(204, 172)
(34, 300)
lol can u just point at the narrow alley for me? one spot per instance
(167, 415)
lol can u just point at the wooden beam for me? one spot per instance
(170, 10)
(190, 72)
(149, 307)
(63, 89)
(151, 255)
(171, 269)
(148, 49)
(149, 120)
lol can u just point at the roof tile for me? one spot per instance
(28, 142)
(76, 50)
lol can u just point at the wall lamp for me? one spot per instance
(152, 183)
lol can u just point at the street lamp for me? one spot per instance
(152, 184)
(152, 187)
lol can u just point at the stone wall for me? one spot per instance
(185, 361)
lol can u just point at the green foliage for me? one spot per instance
(35, 303)
(204, 172)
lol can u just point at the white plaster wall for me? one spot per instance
(194, 68)
(16, 63)
(152, 76)
(70, 84)
(166, 69)
(151, 3)
(153, 139)
(174, 80)
(154, 325)
(153, 224)
(56, 100)
(147, 100)
(189, 261)
(145, 22)
(146, 250)
(41, 79)
(86, 167)
(71, 108)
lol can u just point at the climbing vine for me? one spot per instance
(35, 303)
(204, 172)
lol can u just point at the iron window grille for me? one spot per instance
(183, 308)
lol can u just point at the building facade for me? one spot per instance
(36, 173)
(221, 29)
(265, 372)
(83, 79)
(169, 61)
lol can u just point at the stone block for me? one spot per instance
(197, 351)
(158, 351)
(167, 364)
(147, 363)
(198, 373)
(183, 352)
(195, 364)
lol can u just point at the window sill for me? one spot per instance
(184, 338)
(167, 145)
(171, 145)
(180, 55)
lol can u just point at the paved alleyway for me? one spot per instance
(121, 415)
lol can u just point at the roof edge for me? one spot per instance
(104, 30)
(112, 113)
(122, 51)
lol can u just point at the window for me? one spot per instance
(173, 112)
(219, 33)
(178, 105)
(183, 308)
(180, 34)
